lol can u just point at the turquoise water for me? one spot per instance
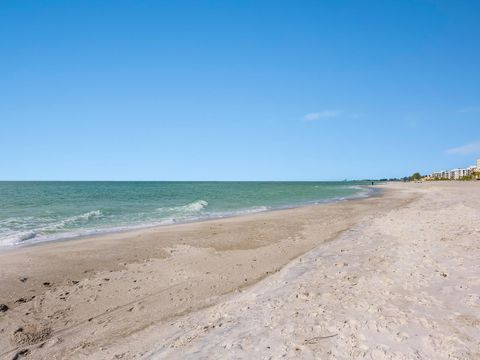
(43, 211)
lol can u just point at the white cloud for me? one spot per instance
(321, 115)
(472, 148)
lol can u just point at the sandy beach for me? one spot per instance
(394, 276)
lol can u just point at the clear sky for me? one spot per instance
(237, 90)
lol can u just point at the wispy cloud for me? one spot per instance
(473, 148)
(322, 115)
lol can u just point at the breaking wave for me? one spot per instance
(193, 207)
(39, 228)
(95, 214)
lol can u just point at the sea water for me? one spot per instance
(32, 212)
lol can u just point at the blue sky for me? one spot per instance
(237, 90)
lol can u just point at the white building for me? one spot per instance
(445, 174)
(456, 174)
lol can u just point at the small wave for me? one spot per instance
(20, 230)
(224, 214)
(196, 206)
(189, 208)
(95, 214)
(27, 236)
(87, 216)
(362, 191)
(15, 238)
(254, 210)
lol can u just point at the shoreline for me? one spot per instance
(160, 273)
(371, 191)
(402, 284)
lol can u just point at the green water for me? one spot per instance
(43, 211)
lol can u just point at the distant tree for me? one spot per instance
(415, 177)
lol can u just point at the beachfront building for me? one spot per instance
(439, 175)
(461, 173)
(456, 174)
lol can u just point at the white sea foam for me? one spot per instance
(95, 214)
(195, 206)
(363, 191)
(225, 214)
(14, 237)
(189, 208)
(87, 216)
(37, 229)
(27, 235)
(253, 210)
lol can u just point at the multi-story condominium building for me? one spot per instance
(456, 174)
(441, 175)
(437, 175)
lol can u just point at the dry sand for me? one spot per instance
(400, 279)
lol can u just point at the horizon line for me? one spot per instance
(364, 179)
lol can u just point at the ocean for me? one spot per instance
(32, 212)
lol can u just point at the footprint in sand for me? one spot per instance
(401, 337)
